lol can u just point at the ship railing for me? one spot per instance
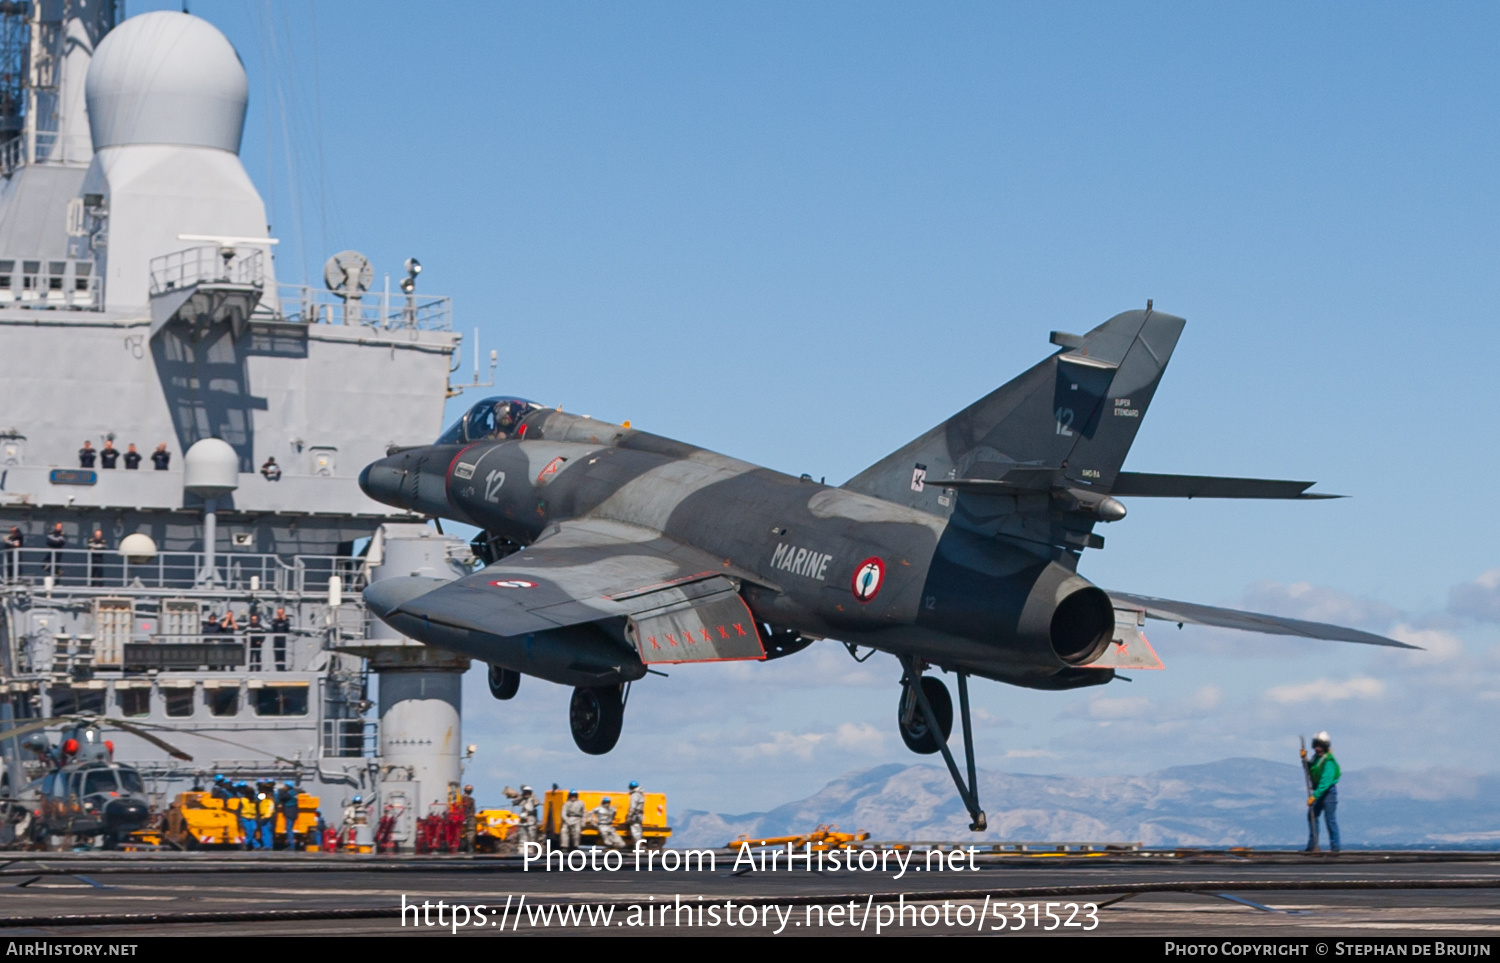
(304, 304)
(12, 155)
(197, 265)
(43, 283)
(79, 568)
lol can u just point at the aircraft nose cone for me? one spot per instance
(381, 480)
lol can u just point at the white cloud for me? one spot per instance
(800, 745)
(1316, 603)
(1437, 645)
(861, 737)
(1479, 599)
(1327, 690)
(1126, 707)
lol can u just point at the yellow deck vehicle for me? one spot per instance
(823, 839)
(492, 827)
(654, 827)
(197, 819)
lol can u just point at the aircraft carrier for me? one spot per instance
(140, 311)
(140, 305)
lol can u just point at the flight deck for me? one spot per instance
(1173, 893)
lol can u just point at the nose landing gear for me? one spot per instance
(927, 710)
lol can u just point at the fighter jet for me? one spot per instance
(612, 550)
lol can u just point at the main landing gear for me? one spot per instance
(926, 721)
(596, 715)
(504, 682)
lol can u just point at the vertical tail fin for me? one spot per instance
(1068, 421)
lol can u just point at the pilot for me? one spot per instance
(132, 458)
(635, 815)
(161, 458)
(1324, 801)
(506, 420)
(572, 821)
(602, 817)
(86, 455)
(109, 455)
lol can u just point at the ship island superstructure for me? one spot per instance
(139, 305)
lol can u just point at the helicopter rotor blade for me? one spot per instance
(33, 725)
(134, 727)
(135, 730)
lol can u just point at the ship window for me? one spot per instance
(66, 701)
(99, 780)
(80, 284)
(54, 284)
(179, 702)
(222, 702)
(134, 702)
(280, 700)
(130, 780)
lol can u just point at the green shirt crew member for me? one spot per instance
(1324, 771)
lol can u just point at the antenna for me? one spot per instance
(454, 389)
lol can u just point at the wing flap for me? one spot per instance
(1180, 612)
(710, 628)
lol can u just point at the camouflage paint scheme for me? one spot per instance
(960, 549)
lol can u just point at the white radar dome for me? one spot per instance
(166, 78)
(210, 467)
(138, 547)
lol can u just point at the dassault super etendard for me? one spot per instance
(612, 549)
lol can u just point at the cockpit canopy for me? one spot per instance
(491, 419)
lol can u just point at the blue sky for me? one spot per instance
(804, 233)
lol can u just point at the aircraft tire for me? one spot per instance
(596, 715)
(504, 682)
(917, 736)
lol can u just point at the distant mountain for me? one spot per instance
(1234, 802)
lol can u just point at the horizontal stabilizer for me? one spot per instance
(1180, 612)
(1143, 485)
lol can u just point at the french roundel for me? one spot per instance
(867, 579)
(517, 583)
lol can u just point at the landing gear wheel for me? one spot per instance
(917, 735)
(596, 715)
(504, 682)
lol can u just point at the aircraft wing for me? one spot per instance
(1179, 612)
(683, 604)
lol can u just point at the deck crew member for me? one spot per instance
(526, 809)
(86, 455)
(161, 458)
(255, 636)
(635, 815)
(572, 821)
(97, 545)
(602, 817)
(471, 827)
(109, 455)
(1324, 800)
(271, 470)
(132, 459)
